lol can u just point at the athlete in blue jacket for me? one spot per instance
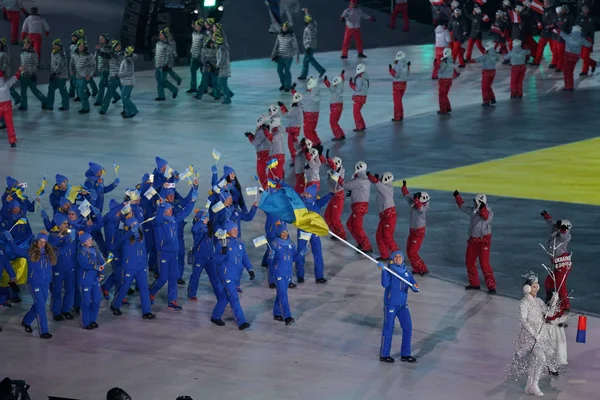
(134, 266)
(282, 255)
(59, 190)
(395, 306)
(149, 207)
(64, 239)
(231, 258)
(112, 236)
(6, 266)
(91, 265)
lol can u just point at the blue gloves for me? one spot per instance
(7, 236)
(415, 288)
(95, 210)
(271, 255)
(117, 181)
(380, 265)
(214, 169)
(44, 215)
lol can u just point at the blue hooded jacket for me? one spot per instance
(396, 291)
(165, 228)
(231, 265)
(203, 244)
(283, 254)
(96, 184)
(89, 260)
(133, 249)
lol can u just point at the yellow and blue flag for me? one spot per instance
(272, 183)
(218, 206)
(72, 192)
(286, 205)
(272, 163)
(259, 241)
(216, 155)
(42, 188)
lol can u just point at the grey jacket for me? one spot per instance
(83, 65)
(478, 227)
(58, 65)
(197, 44)
(208, 58)
(260, 142)
(277, 143)
(312, 100)
(362, 84)
(360, 187)
(29, 61)
(103, 56)
(418, 218)
(161, 54)
(286, 46)
(353, 17)
(127, 71)
(385, 196)
(312, 173)
(574, 42)
(488, 60)
(114, 64)
(517, 56)
(309, 37)
(337, 93)
(333, 185)
(557, 240)
(293, 116)
(172, 53)
(446, 69)
(223, 63)
(401, 70)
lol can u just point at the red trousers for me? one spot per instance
(36, 41)
(569, 68)
(487, 79)
(530, 44)
(7, 114)
(262, 157)
(554, 48)
(385, 232)
(311, 119)
(15, 18)
(439, 53)
(278, 171)
(480, 247)
(300, 183)
(316, 183)
(349, 34)
(334, 119)
(293, 133)
(413, 245)
(540, 49)
(401, 8)
(398, 90)
(587, 60)
(470, 44)
(444, 85)
(355, 225)
(560, 54)
(517, 74)
(333, 214)
(563, 293)
(458, 51)
(359, 102)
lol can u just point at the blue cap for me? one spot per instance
(161, 162)
(199, 215)
(10, 181)
(225, 195)
(42, 235)
(63, 201)
(59, 218)
(230, 225)
(395, 253)
(227, 170)
(169, 191)
(60, 179)
(84, 237)
(145, 178)
(94, 168)
(312, 190)
(280, 227)
(14, 204)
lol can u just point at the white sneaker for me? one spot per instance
(535, 390)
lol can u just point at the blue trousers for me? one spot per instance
(230, 288)
(283, 70)
(91, 296)
(208, 79)
(390, 313)
(128, 107)
(4, 294)
(111, 92)
(162, 82)
(150, 248)
(195, 65)
(309, 58)
(281, 300)
(102, 88)
(28, 83)
(141, 281)
(267, 261)
(181, 253)
(224, 89)
(60, 280)
(171, 72)
(39, 293)
(168, 271)
(317, 252)
(77, 300)
(116, 277)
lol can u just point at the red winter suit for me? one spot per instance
(263, 148)
(546, 26)
(459, 29)
(293, 116)
(13, 9)
(6, 112)
(360, 85)
(587, 24)
(564, 23)
(34, 27)
(574, 41)
(479, 243)
(446, 72)
(401, 7)
(488, 72)
(558, 244)
(399, 71)
(387, 217)
(359, 189)
(418, 222)
(313, 165)
(442, 41)
(517, 56)
(336, 106)
(335, 207)
(275, 136)
(352, 17)
(299, 170)
(311, 105)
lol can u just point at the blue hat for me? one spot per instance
(145, 178)
(60, 218)
(395, 253)
(75, 210)
(94, 168)
(42, 235)
(84, 237)
(199, 215)
(225, 195)
(10, 181)
(280, 226)
(169, 191)
(63, 201)
(113, 204)
(312, 190)
(129, 222)
(14, 204)
(161, 162)
(227, 170)
(60, 179)
(229, 225)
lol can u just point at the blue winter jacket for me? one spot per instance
(396, 291)
(165, 229)
(55, 197)
(112, 233)
(231, 265)
(20, 231)
(270, 222)
(203, 244)
(6, 266)
(40, 272)
(95, 184)
(283, 254)
(66, 248)
(238, 216)
(134, 256)
(89, 260)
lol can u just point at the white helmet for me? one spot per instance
(447, 53)
(519, 9)
(337, 162)
(489, 46)
(261, 120)
(312, 83)
(274, 122)
(576, 29)
(480, 198)
(361, 68)
(387, 177)
(400, 55)
(273, 109)
(309, 143)
(297, 97)
(477, 10)
(567, 223)
(336, 81)
(424, 197)
(506, 3)
(454, 4)
(517, 43)
(558, 9)
(314, 153)
(360, 166)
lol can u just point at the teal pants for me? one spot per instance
(195, 65)
(102, 86)
(128, 107)
(283, 69)
(73, 86)
(224, 89)
(171, 72)
(28, 83)
(82, 93)
(111, 92)
(208, 79)
(15, 95)
(163, 83)
(309, 58)
(61, 85)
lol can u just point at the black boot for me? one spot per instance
(387, 360)
(67, 315)
(472, 287)
(130, 292)
(116, 312)
(46, 335)
(180, 282)
(95, 325)
(59, 318)
(301, 279)
(217, 322)
(292, 285)
(272, 286)
(243, 326)
(191, 91)
(28, 328)
(148, 316)
(321, 280)
(89, 327)
(289, 321)
(408, 359)
(492, 291)
(278, 318)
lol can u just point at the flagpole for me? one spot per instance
(371, 258)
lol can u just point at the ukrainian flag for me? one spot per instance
(271, 183)
(272, 163)
(287, 205)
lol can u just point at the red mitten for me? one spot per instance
(405, 191)
(484, 213)
(373, 179)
